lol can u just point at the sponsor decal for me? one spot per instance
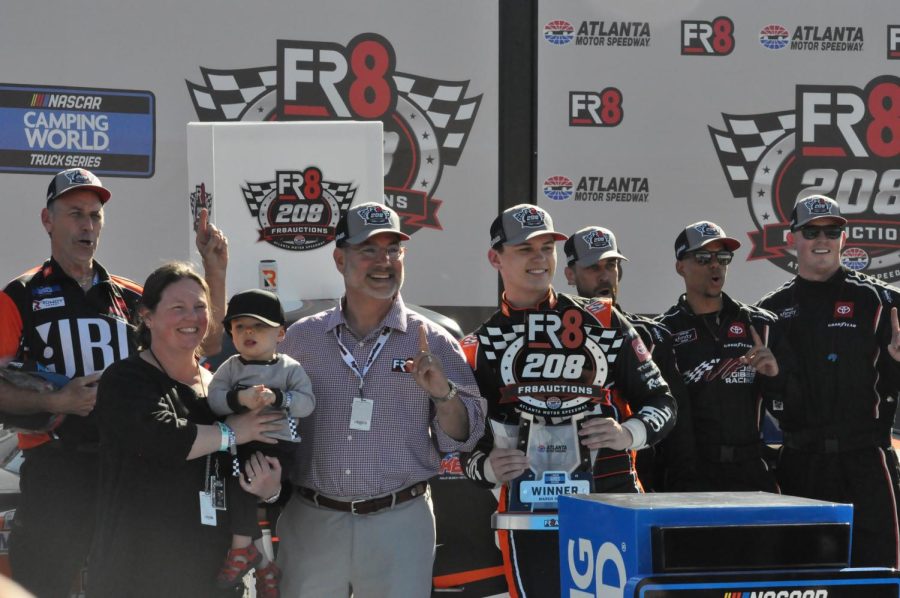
(530, 217)
(774, 37)
(707, 38)
(813, 38)
(779, 593)
(554, 364)
(558, 188)
(598, 33)
(299, 210)
(400, 365)
(450, 465)
(684, 336)
(592, 109)
(737, 330)
(426, 121)
(855, 258)
(596, 307)
(640, 349)
(893, 42)
(654, 417)
(558, 32)
(552, 448)
(44, 291)
(48, 129)
(789, 312)
(596, 239)
(843, 309)
(49, 303)
(200, 199)
(840, 141)
(634, 189)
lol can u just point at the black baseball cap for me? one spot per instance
(76, 178)
(265, 306)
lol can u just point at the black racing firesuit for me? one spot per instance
(49, 322)
(716, 444)
(837, 428)
(638, 393)
(658, 339)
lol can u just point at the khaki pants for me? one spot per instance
(330, 554)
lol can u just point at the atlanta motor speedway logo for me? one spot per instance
(426, 121)
(839, 141)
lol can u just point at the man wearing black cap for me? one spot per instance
(594, 268)
(72, 317)
(837, 428)
(393, 392)
(722, 348)
(546, 363)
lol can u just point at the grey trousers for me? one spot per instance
(325, 553)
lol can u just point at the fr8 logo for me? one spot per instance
(707, 38)
(326, 80)
(592, 109)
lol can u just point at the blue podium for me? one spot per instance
(715, 545)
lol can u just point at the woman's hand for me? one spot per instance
(264, 475)
(253, 425)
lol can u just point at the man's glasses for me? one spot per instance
(705, 257)
(831, 232)
(371, 252)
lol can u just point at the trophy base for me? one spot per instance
(535, 522)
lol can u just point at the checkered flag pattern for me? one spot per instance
(254, 194)
(226, 94)
(696, 375)
(235, 467)
(607, 339)
(495, 340)
(451, 113)
(292, 426)
(745, 141)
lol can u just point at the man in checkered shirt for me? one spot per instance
(393, 392)
(722, 348)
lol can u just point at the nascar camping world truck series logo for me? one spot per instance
(426, 121)
(839, 141)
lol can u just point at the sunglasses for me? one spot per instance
(831, 232)
(704, 257)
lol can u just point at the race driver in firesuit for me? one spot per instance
(72, 317)
(837, 431)
(594, 268)
(517, 351)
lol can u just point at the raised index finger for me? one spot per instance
(203, 223)
(895, 321)
(756, 340)
(423, 340)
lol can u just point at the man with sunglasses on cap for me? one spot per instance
(724, 356)
(72, 317)
(393, 392)
(571, 389)
(594, 268)
(837, 428)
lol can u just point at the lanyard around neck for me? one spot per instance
(373, 354)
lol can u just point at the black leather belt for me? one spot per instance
(723, 453)
(826, 441)
(365, 507)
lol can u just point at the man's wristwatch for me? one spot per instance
(454, 390)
